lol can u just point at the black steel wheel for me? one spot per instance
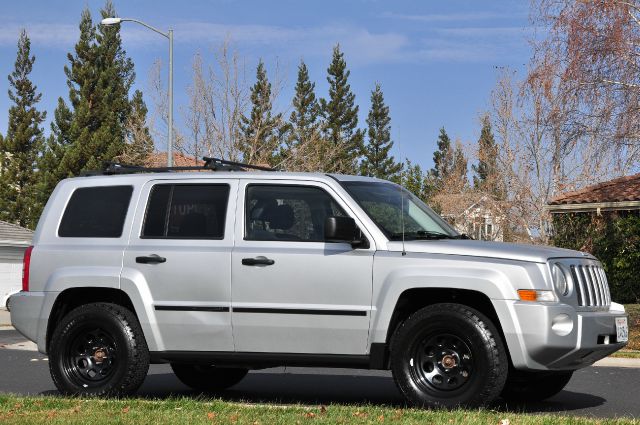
(98, 349)
(534, 386)
(208, 378)
(448, 355)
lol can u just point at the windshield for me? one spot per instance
(387, 203)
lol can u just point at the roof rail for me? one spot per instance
(210, 164)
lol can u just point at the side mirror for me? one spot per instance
(344, 229)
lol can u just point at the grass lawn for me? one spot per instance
(53, 410)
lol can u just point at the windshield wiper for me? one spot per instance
(461, 236)
(420, 235)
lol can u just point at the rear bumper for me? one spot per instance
(26, 309)
(557, 337)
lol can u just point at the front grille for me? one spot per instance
(591, 285)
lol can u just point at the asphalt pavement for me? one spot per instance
(604, 392)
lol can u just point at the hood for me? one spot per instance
(502, 250)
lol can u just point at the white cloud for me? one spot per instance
(451, 17)
(361, 45)
(49, 35)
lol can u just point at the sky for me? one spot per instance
(437, 61)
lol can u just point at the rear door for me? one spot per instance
(180, 257)
(292, 291)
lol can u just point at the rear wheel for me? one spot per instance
(534, 386)
(208, 378)
(98, 349)
(448, 355)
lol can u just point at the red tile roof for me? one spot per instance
(159, 159)
(617, 190)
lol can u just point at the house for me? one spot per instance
(13, 241)
(479, 215)
(621, 194)
(159, 159)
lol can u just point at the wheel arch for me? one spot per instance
(414, 299)
(71, 298)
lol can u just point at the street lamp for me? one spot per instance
(169, 35)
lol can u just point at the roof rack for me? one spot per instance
(210, 164)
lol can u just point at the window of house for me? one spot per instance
(288, 213)
(186, 211)
(96, 212)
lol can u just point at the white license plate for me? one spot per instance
(622, 329)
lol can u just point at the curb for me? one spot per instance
(618, 362)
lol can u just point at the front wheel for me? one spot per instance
(98, 349)
(534, 386)
(448, 355)
(208, 377)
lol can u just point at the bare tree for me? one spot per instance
(159, 121)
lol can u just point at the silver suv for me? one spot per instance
(221, 272)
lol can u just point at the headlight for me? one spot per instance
(560, 280)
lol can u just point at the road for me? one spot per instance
(604, 392)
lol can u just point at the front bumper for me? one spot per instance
(557, 337)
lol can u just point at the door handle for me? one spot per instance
(151, 259)
(264, 261)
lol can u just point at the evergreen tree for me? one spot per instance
(377, 162)
(442, 160)
(139, 141)
(99, 78)
(261, 130)
(304, 118)
(50, 170)
(458, 181)
(486, 176)
(340, 113)
(24, 140)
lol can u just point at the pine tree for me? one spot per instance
(22, 144)
(306, 110)
(458, 181)
(442, 160)
(139, 141)
(340, 113)
(49, 164)
(486, 177)
(261, 130)
(377, 162)
(99, 78)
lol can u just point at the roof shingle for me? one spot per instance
(14, 233)
(621, 189)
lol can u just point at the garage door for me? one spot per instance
(10, 278)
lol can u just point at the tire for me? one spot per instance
(448, 356)
(208, 378)
(534, 386)
(98, 349)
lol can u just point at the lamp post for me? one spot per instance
(169, 35)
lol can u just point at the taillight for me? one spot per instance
(26, 263)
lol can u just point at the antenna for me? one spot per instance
(401, 193)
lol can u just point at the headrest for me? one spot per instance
(278, 216)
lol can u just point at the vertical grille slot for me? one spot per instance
(591, 285)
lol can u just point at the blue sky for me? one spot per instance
(436, 61)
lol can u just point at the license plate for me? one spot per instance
(622, 329)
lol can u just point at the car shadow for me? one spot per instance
(325, 389)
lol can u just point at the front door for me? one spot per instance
(292, 292)
(179, 256)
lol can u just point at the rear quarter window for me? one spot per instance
(96, 212)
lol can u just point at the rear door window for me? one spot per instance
(96, 212)
(186, 211)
